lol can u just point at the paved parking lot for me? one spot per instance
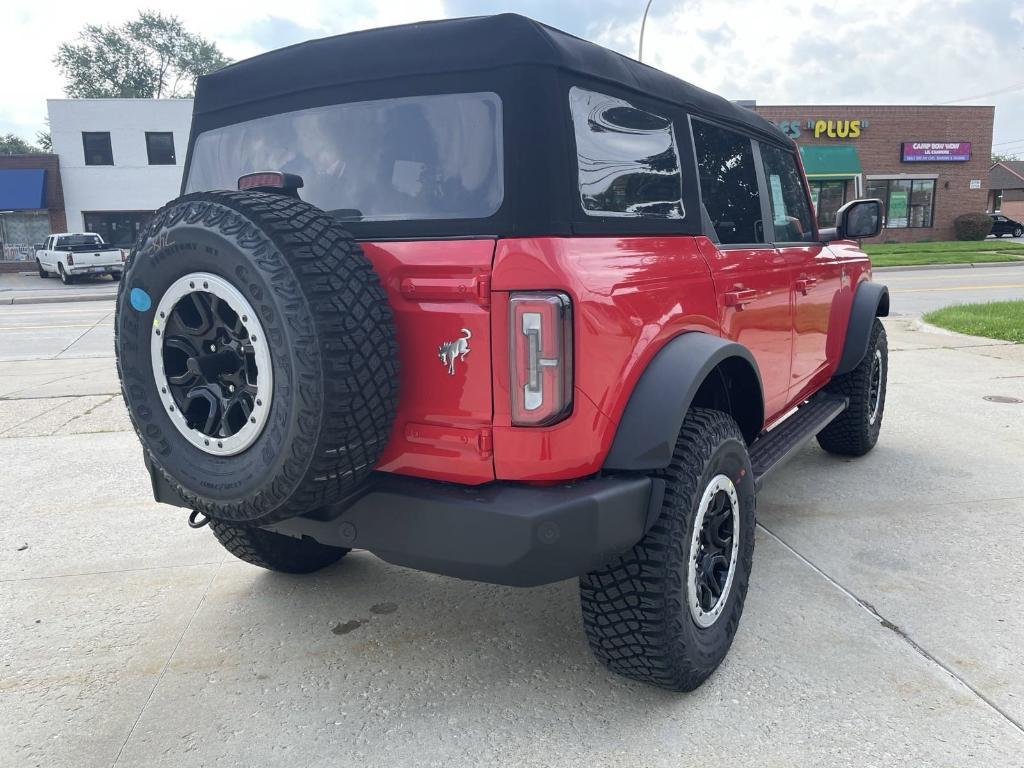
(883, 626)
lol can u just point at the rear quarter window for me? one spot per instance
(627, 158)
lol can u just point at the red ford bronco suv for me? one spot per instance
(491, 301)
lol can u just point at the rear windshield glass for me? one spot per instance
(79, 241)
(422, 157)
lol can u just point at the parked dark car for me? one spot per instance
(1004, 226)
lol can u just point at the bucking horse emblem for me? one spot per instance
(450, 350)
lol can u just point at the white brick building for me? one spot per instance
(120, 159)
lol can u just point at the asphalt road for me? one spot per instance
(883, 626)
(914, 292)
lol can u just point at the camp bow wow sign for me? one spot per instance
(936, 151)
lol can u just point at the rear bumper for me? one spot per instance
(94, 269)
(500, 533)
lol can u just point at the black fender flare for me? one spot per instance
(870, 301)
(650, 423)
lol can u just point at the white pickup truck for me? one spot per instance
(69, 255)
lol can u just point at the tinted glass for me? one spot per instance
(97, 149)
(827, 197)
(627, 158)
(791, 211)
(728, 183)
(160, 148)
(922, 194)
(119, 228)
(422, 157)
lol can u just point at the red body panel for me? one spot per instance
(630, 296)
(443, 425)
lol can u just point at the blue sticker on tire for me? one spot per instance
(140, 300)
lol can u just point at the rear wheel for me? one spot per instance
(1018, 232)
(666, 611)
(115, 276)
(275, 551)
(64, 276)
(855, 431)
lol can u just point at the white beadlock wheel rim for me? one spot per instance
(255, 339)
(706, 615)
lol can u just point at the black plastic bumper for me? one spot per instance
(501, 533)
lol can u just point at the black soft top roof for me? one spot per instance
(447, 47)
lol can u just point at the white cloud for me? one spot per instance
(869, 52)
(775, 51)
(32, 31)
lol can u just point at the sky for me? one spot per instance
(773, 51)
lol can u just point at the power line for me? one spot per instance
(1007, 89)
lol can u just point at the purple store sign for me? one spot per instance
(936, 151)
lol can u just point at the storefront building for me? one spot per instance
(31, 205)
(927, 164)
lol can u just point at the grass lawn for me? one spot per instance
(953, 252)
(993, 320)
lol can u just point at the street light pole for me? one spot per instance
(643, 25)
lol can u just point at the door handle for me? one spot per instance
(805, 283)
(740, 298)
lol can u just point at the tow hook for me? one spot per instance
(197, 519)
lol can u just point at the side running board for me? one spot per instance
(774, 448)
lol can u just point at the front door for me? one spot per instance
(752, 279)
(814, 272)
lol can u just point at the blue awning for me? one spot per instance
(22, 189)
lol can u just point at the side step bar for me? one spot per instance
(778, 445)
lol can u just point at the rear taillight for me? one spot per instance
(124, 256)
(71, 260)
(540, 351)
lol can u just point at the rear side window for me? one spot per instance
(791, 211)
(728, 183)
(627, 158)
(418, 157)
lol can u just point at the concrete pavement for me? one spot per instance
(882, 627)
(29, 288)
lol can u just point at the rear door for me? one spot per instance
(752, 280)
(814, 271)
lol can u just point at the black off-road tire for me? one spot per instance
(42, 272)
(331, 340)
(855, 431)
(64, 276)
(275, 551)
(635, 610)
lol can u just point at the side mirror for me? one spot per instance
(855, 220)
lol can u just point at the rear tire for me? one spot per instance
(257, 355)
(115, 276)
(275, 551)
(1018, 232)
(649, 614)
(64, 276)
(856, 430)
(42, 272)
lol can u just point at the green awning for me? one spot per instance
(830, 161)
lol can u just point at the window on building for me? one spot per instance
(997, 200)
(728, 183)
(791, 210)
(119, 228)
(160, 148)
(909, 203)
(628, 162)
(97, 148)
(827, 197)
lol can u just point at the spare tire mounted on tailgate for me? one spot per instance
(257, 355)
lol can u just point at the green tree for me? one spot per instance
(15, 145)
(151, 57)
(998, 158)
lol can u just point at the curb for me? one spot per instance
(66, 298)
(979, 265)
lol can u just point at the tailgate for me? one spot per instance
(439, 291)
(97, 258)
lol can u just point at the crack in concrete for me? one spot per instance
(899, 632)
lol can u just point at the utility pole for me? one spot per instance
(643, 25)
